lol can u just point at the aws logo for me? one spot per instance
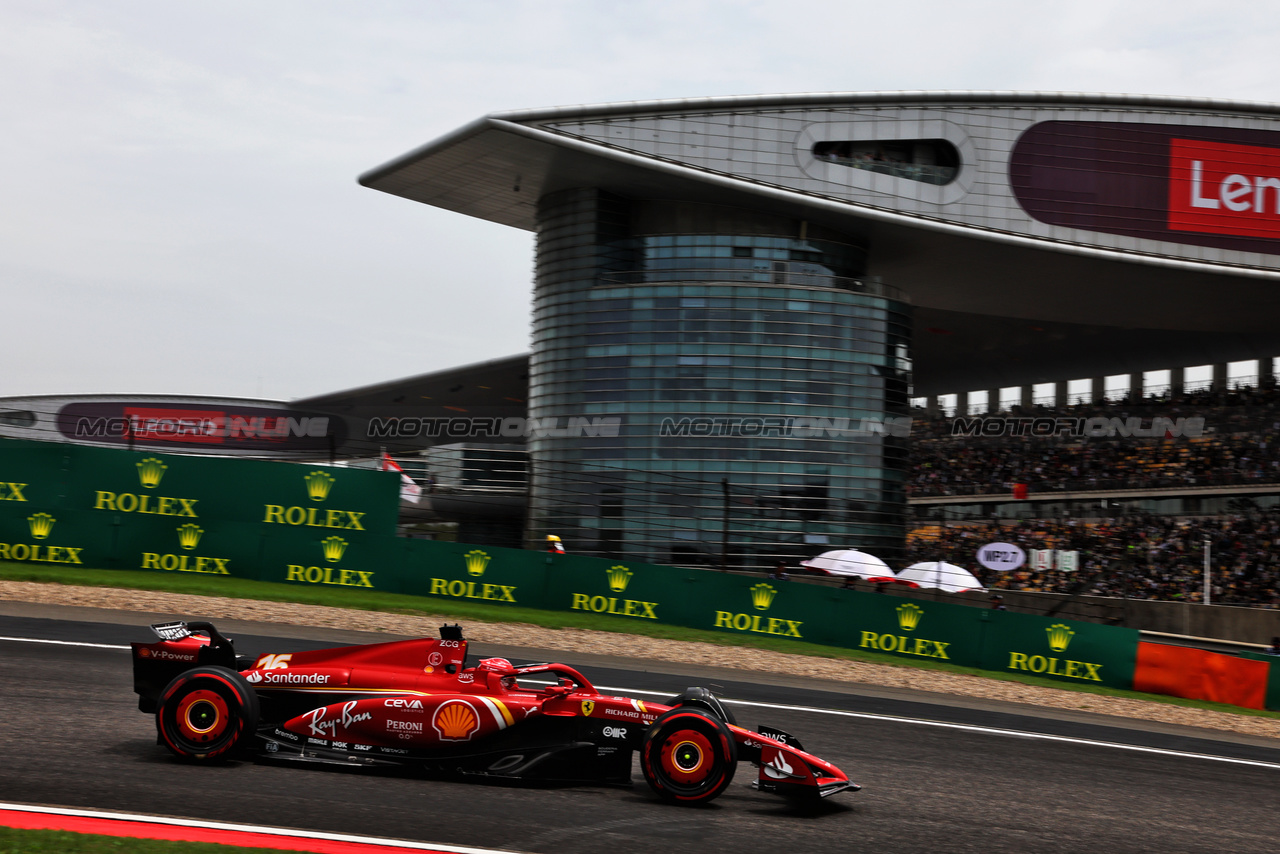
(910, 616)
(762, 599)
(617, 578)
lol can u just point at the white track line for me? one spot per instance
(252, 828)
(66, 643)
(1181, 754)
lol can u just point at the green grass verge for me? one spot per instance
(16, 841)
(462, 610)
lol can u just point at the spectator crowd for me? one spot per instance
(1141, 556)
(1239, 446)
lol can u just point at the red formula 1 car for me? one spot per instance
(418, 703)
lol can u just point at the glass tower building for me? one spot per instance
(747, 384)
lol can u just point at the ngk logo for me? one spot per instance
(1220, 188)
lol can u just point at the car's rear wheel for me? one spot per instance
(688, 756)
(207, 714)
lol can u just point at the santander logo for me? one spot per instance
(1222, 188)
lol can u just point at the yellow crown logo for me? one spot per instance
(41, 525)
(476, 562)
(150, 471)
(189, 535)
(909, 616)
(318, 485)
(333, 548)
(762, 596)
(619, 578)
(1059, 636)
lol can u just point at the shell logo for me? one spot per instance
(456, 720)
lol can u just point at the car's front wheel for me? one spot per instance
(207, 714)
(688, 756)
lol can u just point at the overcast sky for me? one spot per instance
(180, 207)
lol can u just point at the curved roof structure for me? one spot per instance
(1040, 236)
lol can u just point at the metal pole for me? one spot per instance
(724, 535)
(1206, 570)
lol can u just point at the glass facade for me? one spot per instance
(712, 395)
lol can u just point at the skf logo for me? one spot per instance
(274, 661)
(762, 596)
(587, 708)
(189, 535)
(318, 485)
(333, 548)
(1059, 636)
(909, 616)
(41, 525)
(150, 471)
(455, 720)
(619, 577)
(476, 562)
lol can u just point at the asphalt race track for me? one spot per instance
(72, 736)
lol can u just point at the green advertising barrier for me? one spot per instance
(1071, 651)
(485, 574)
(119, 509)
(916, 628)
(319, 525)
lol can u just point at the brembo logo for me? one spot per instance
(1220, 188)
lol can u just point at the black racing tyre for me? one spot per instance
(688, 756)
(207, 715)
(704, 699)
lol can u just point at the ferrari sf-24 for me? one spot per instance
(418, 703)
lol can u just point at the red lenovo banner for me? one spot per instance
(1219, 188)
(1189, 184)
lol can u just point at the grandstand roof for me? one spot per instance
(1052, 254)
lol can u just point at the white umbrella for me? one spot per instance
(947, 577)
(848, 562)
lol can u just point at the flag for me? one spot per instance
(409, 491)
